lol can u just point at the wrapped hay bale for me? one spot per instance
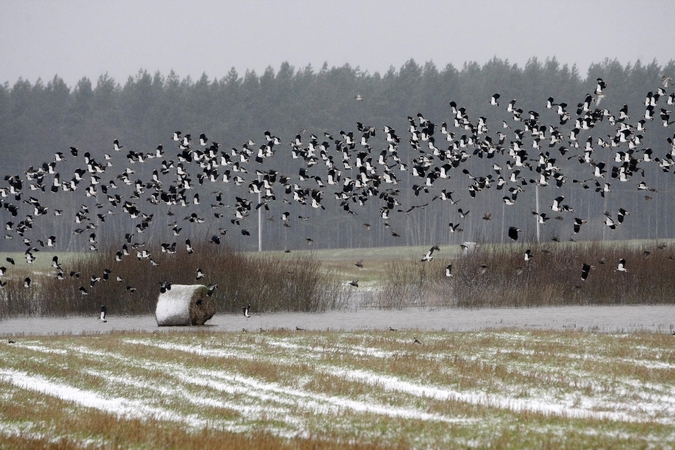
(184, 305)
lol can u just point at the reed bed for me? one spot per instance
(499, 276)
(490, 276)
(271, 282)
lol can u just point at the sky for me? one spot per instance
(88, 38)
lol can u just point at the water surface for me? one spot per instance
(610, 319)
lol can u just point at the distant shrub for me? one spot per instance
(268, 282)
(490, 276)
(410, 282)
(498, 276)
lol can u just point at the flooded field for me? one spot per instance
(607, 319)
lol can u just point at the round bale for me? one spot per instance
(184, 305)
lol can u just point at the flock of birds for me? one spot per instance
(350, 166)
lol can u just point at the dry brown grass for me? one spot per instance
(499, 276)
(492, 276)
(291, 380)
(271, 282)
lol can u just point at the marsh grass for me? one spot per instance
(491, 276)
(271, 282)
(284, 389)
(499, 276)
(553, 276)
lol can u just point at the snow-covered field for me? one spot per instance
(420, 388)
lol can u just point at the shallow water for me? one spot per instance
(610, 319)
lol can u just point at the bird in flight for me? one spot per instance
(621, 267)
(428, 256)
(585, 269)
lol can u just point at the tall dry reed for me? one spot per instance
(267, 282)
(499, 276)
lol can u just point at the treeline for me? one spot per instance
(42, 118)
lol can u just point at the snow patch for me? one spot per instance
(89, 399)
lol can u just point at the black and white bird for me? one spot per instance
(104, 311)
(200, 274)
(599, 90)
(621, 267)
(622, 213)
(513, 233)
(246, 309)
(577, 224)
(164, 286)
(428, 256)
(211, 289)
(585, 269)
(448, 270)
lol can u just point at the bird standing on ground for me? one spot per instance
(104, 311)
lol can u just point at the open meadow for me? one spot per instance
(525, 355)
(306, 389)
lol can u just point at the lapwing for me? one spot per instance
(585, 269)
(621, 267)
(428, 256)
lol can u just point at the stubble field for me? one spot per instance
(311, 389)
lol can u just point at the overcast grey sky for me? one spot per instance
(77, 38)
